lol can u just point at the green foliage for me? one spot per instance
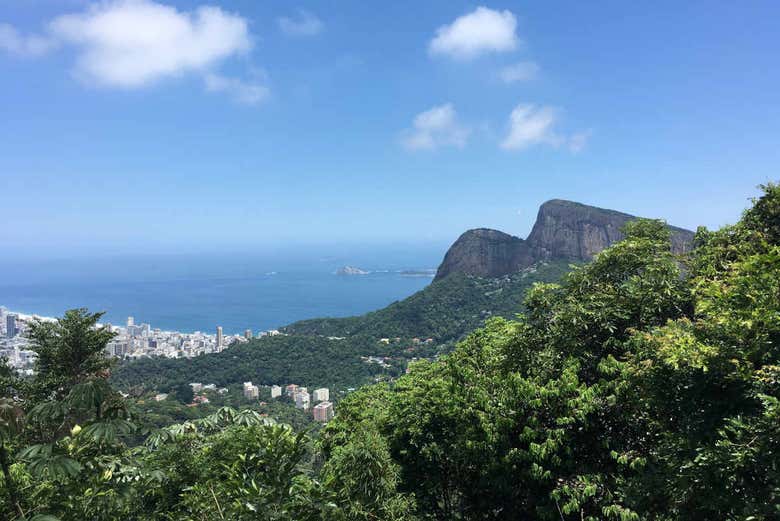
(183, 392)
(312, 361)
(446, 310)
(69, 351)
(642, 386)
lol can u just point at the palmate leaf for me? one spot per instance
(210, 423)
(170, 434)
(44, 463)
(89, 395)
(248, 417)
(49, 411)
(34, 452)
(160, 437)
(56, 468)
(226, 415)
(109, 430)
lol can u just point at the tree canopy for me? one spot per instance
(641, 386)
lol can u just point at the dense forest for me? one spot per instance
(445, 311)
(642, 386)
(312, 361)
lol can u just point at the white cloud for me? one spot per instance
(306, 24)
(518, 72)
(132, 43)
(435, 127)
(531, 125)
(481, 31)
(14, 43)
(246, 92)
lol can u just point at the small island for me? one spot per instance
(351, 270)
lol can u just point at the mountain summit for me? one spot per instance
(563, 230)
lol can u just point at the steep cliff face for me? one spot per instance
(569, 230)
(563, 230)
(485, 253)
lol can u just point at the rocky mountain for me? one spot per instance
(564, 230)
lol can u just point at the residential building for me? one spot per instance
(251, 392)
(321, 395)
(248, 334)
(323, 411)
(276, 391)
(10, 324)
(302, 400)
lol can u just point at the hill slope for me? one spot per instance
(445, 311)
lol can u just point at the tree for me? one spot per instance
(70, 350)
(183, 393)
(642, 386)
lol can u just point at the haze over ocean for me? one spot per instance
(190, 292)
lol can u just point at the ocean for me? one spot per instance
(198, 292)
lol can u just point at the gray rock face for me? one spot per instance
(569, 230)
(563, 230)
(485, 253)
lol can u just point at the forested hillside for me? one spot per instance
(312, 361)
(444, 311)
(642, 386)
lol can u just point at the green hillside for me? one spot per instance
(636, 388)
(445, 311)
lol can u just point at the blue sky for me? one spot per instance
(145, 126)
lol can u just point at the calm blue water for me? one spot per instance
(199, 292)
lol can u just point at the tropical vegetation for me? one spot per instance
(641, 386)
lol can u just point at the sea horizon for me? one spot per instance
(198, 292)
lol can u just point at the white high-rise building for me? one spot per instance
(321, 395)
(302, 400)
(219, 338)
(251, 392)
(130, 321)
(276, 391)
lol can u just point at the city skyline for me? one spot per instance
(262, 124)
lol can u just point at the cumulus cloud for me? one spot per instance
(32, 45)
(132, 43)
(519, 72)
(305, 24)
(481, 31)
(435, 127)
(248, 92)
(531, 125)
